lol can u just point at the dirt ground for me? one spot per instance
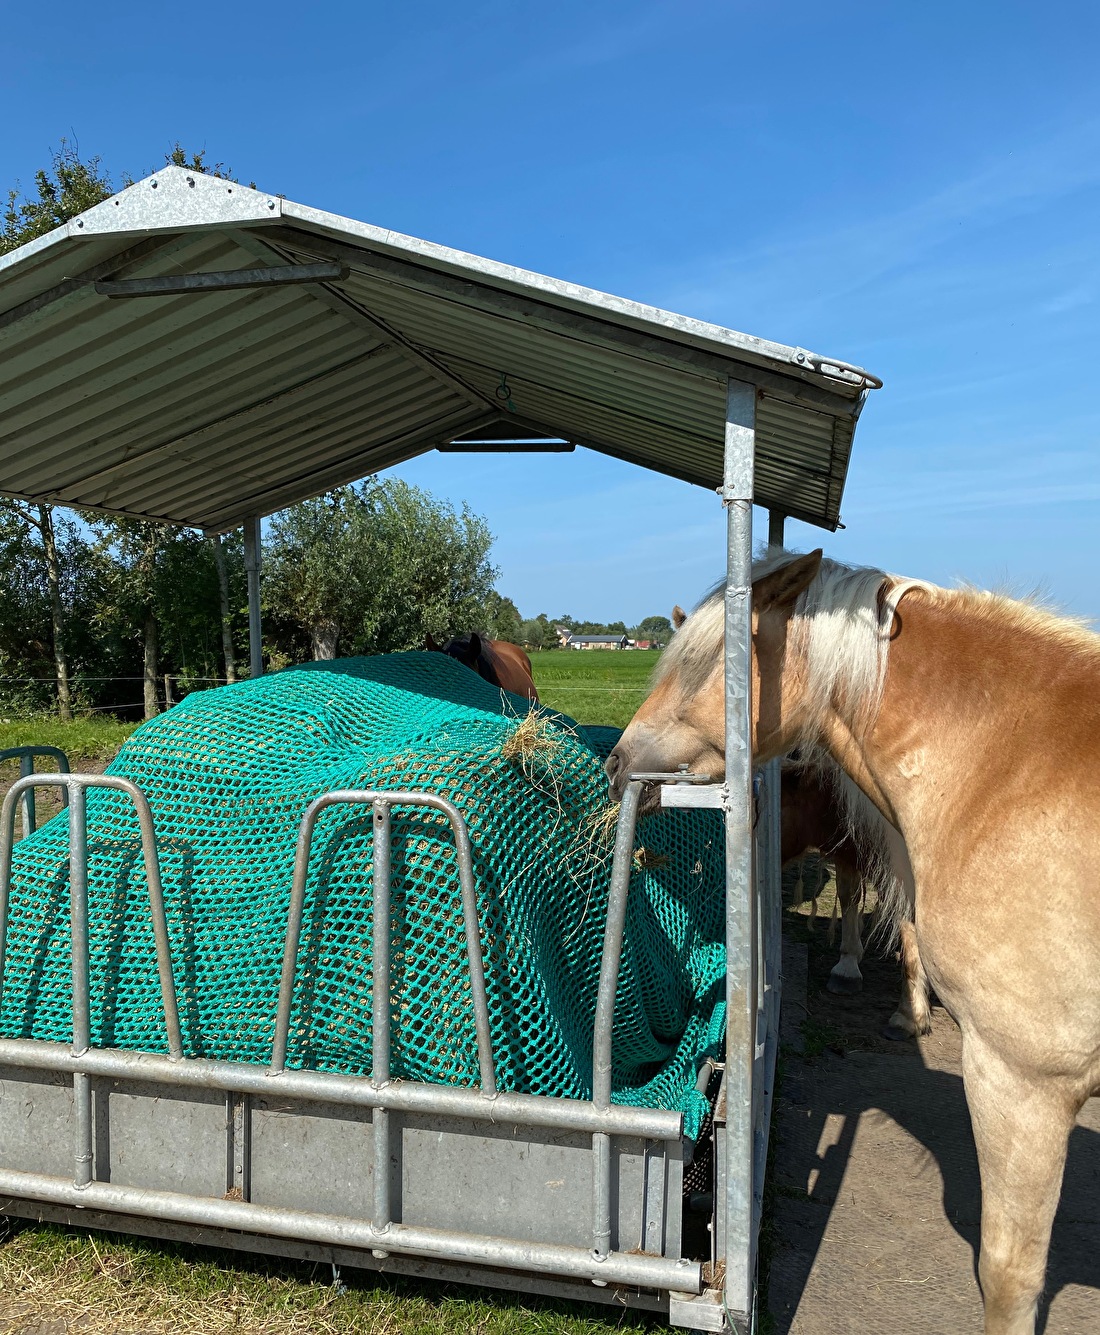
(47, 801)
(876, 1202)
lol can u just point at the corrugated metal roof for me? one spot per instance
(202, 409)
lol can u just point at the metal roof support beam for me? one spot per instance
(340, 472)
(528, 310)
(343, 305)
(775, 528)
(79, 282)
(228, 280)
(252, 559)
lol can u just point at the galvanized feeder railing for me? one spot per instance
(652, 1262)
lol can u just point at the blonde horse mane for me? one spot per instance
(840, 628)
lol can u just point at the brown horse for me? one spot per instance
(972, 721)
(495, 661)
(823, 812)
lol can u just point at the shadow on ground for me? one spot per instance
(877, 1197)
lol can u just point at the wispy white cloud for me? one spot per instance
(611, 41)
(1084, 294)
(816, 267)
(1027, 477)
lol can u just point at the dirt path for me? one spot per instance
(877, 1202)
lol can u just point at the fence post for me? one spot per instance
(252, 562)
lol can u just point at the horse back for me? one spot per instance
(513, 668)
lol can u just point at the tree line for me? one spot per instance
(124, 615)
(106, 613)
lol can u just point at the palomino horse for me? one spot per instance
(823, 812)
(972, 721)
(496, 661)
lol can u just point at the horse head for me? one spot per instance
(682, 722)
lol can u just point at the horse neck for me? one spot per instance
(511, 666)
(965, 698)
(951, 684)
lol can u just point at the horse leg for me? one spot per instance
(846, 978)
(1021, 1128)
(799, 888)
(914, 1013)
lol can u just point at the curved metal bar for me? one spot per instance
(374, 797)
(26, 757)
(613, 943)
(73, 783)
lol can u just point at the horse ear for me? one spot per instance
(781, 587)
(679, 616)
(475, 645)
(430, 644)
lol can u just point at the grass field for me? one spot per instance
(96, 737)
(594, 686)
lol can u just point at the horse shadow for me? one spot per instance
(820, 1106)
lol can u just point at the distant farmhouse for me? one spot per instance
(597, 642)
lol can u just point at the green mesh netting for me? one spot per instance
(229, 773)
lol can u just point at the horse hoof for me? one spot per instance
(895, 1033)
(842, 986)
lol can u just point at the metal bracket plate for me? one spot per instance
(703, 1311)
(714, 795)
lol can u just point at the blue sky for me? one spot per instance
(914, 188)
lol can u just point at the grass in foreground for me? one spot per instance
(96, 737)
(55, 1279)
(594, 686)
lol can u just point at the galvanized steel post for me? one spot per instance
(605, 1012)
(82, 1019)
(741, 984)
(252, 560)
(380, 1015)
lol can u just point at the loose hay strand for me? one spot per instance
(532, 736)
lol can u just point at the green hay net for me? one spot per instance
(229, 774)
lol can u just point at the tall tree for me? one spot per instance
(67, 187)
(70, 185)
(372, 569)
(61, 191)
(39, 528)
(224, 616)
(501, 619)
(654, 628)
(130, 549)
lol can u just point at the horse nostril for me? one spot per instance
(612, 765)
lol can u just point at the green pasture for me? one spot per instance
(594, 685)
